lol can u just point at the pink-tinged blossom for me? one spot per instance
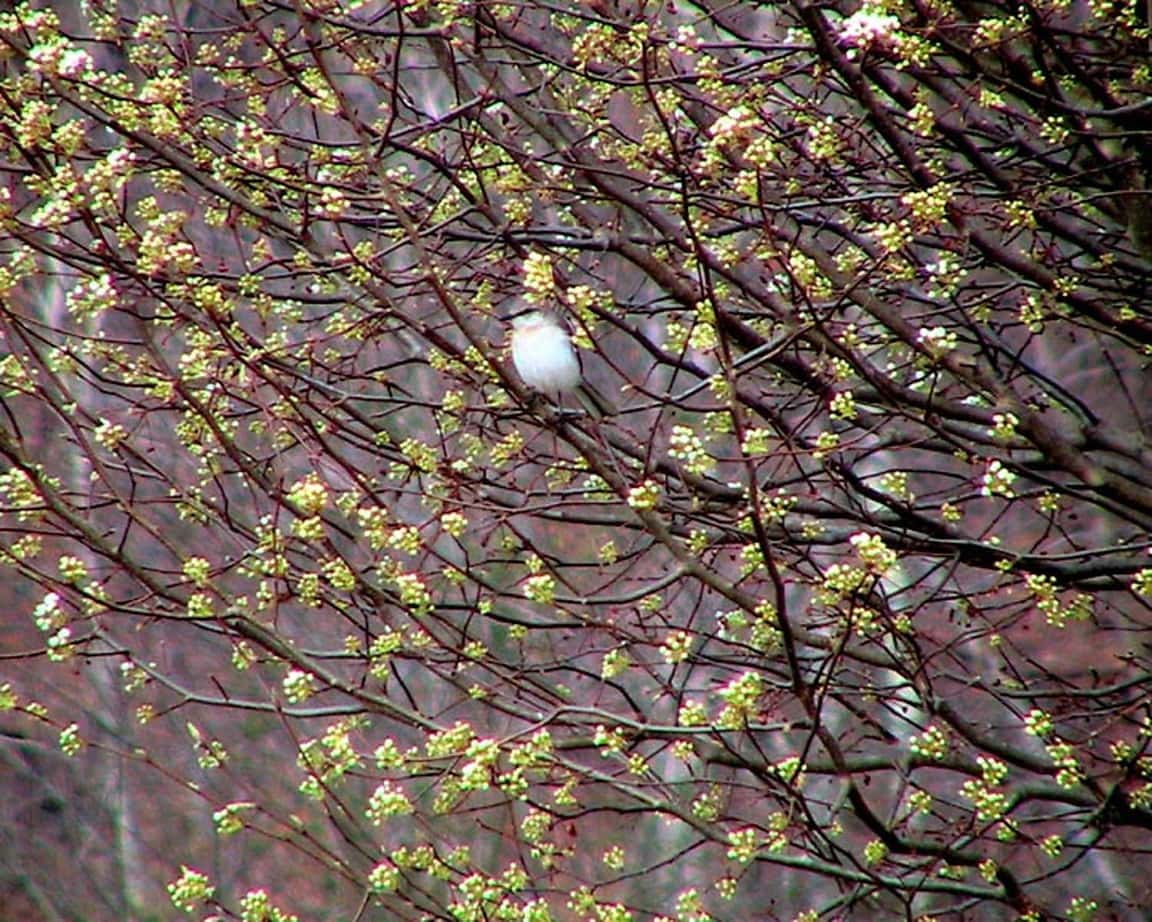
(75, 63)
(56, 59)
(866, 28)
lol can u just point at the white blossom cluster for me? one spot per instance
(867, 28)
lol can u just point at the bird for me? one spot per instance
(546, 361)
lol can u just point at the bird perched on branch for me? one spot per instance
(547, 361)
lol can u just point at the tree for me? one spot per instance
(842, 615)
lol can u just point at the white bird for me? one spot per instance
(546, 360)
